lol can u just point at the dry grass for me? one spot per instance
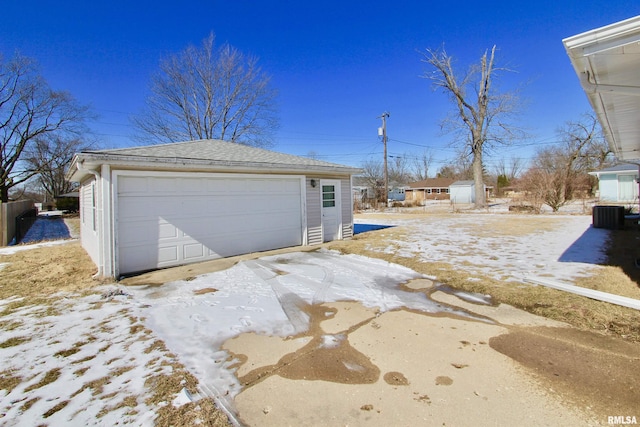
(8, 381)
(49, 377)
(45, 271)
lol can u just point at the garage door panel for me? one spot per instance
(164, 185)
(167, 231)
(167, 255)
(193, 251)
(134, 185)
(166, 221)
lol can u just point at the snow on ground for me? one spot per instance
(568, 249)
(194, 318)
(63, 353)
(10, 250)
(80, 361)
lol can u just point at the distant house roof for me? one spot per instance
(204, 155)
(465, 183)
(617, 168)
(431, 183)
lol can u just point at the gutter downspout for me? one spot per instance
(97, 176)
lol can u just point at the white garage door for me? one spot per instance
(167, 220)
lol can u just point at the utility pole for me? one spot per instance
(383, 131)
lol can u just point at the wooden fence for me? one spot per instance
(8, 214)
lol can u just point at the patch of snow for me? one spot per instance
(93, 360)
(182, 398)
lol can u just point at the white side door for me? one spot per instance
(331, 223)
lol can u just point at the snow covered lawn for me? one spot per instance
(501, 246)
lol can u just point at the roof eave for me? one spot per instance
(92, 161)
(582, 50)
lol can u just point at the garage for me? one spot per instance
(160, 206)
(207, 217)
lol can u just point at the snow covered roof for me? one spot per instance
(204, 155)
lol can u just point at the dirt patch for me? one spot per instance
(585, 368)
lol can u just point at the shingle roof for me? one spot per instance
(211, 154)
(432, 183)
(619, 168)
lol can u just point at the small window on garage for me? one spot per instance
(328, 196)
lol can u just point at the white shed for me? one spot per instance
(462, 192)
(145, 208)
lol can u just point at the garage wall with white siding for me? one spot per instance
(314, 212)
(347, 208)
(89, 219)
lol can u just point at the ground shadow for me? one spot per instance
(588, 248)
(363, 228)
(46, 228)
(623, 251)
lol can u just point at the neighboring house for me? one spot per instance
(617, 184)
(145, 208)
(428, 189)
(465, 192)
(397, 194)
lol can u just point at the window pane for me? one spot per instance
(328, 203)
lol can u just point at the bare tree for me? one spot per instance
(30, 109)
(559, 171)
(399, 170)
(422, 165)
(209, 92)
(50, 156)
(480, 117)
(511, 169)
(373, 177)
(505, 173)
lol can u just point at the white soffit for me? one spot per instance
(607, 62)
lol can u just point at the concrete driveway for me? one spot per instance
(318, 338)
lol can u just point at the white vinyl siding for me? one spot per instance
(314, 218)
(347, 208)
(89, 219)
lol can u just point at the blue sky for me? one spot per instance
(338, 65)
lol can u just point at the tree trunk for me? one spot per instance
(478, 182)
(4, 194)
